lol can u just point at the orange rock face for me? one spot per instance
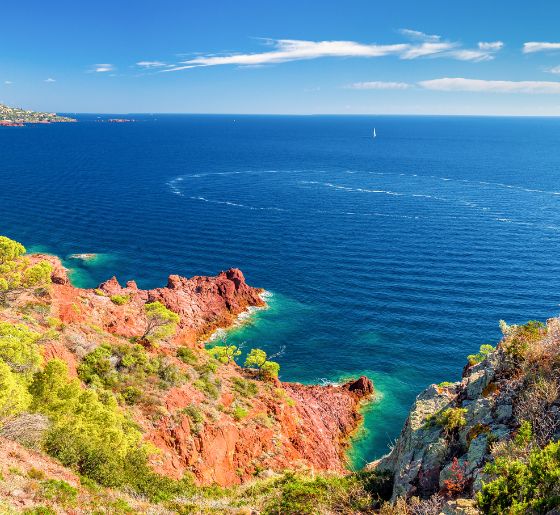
(279, 426)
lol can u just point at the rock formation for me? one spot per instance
(282, 425)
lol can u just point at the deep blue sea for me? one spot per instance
(393, 257)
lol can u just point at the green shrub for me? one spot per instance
(120, 300)
(239, 413)
(14, 397)
(257, 358)
(34, 473)
(224, 353)
(522, 487)
(161, 322)
(294, 494)
(40, 510)
(474, 359)
(208, 387)
(244, 387)
(450, 419)
(194, 413)
(132, 394)
(522, 337)
(59, 491)
(187, 356)
(88, 432)
(18, 348)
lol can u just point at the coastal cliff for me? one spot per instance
(215, 421)
(487, 443)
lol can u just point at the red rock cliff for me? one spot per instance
(279, 426)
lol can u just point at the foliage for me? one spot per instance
(257, 358)
(224, 353)
(119, 300)
(88, 432)
(531, 486)
(521, 337)
(474, 359)
(14, 398)
(450, 419)
(244, 387)
(187, 355)
(10, 250)
(18, 348)
(207, 386)
(295, 494)
(59, 491)
(239, 413)
(161, 323)
(125, 369)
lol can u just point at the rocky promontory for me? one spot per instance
(222, 424)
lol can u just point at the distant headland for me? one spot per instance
(17, 117)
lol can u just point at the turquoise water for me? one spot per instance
(393, 258)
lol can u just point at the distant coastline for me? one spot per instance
(17, 117)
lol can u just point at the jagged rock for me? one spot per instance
(362, 387)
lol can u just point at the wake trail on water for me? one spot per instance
(177, 184)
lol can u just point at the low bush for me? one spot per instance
(519, 486)
(244, 387)
(120, 300)
(474, 359)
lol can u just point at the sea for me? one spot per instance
(394, 257)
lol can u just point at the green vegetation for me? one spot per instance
(17, 274)
(522, 338)
(224, 353)
(120, 300)
(18, 348)
(59, 491)
(258, 359)
(483, 352)
(187, 356)
(125, 369)
(450, 419)
(161, 322)
(244, 387)
(239, 413)
(523, 485)
(14, 397)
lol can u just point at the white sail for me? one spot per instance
(374, 133)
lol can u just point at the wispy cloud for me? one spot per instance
(285, 50)
(492, 86)
(539, 46)
(101, 68)
(490, 45)
(49, 80)
(8, 82)
(150, 64)
(554, 69)
(418, 35)
(379, 85)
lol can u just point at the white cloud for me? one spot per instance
(8, 82)
(50, 80)
(102, 68)
(493, 86)
(554, 69)
(379, 85)
(285, 50)
(490, 45)
(418, 35)
(150, 64)
(539, 46)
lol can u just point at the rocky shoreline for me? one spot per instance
(287, 425)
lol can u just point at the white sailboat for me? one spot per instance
(374, 134)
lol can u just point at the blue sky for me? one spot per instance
(289, 57)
